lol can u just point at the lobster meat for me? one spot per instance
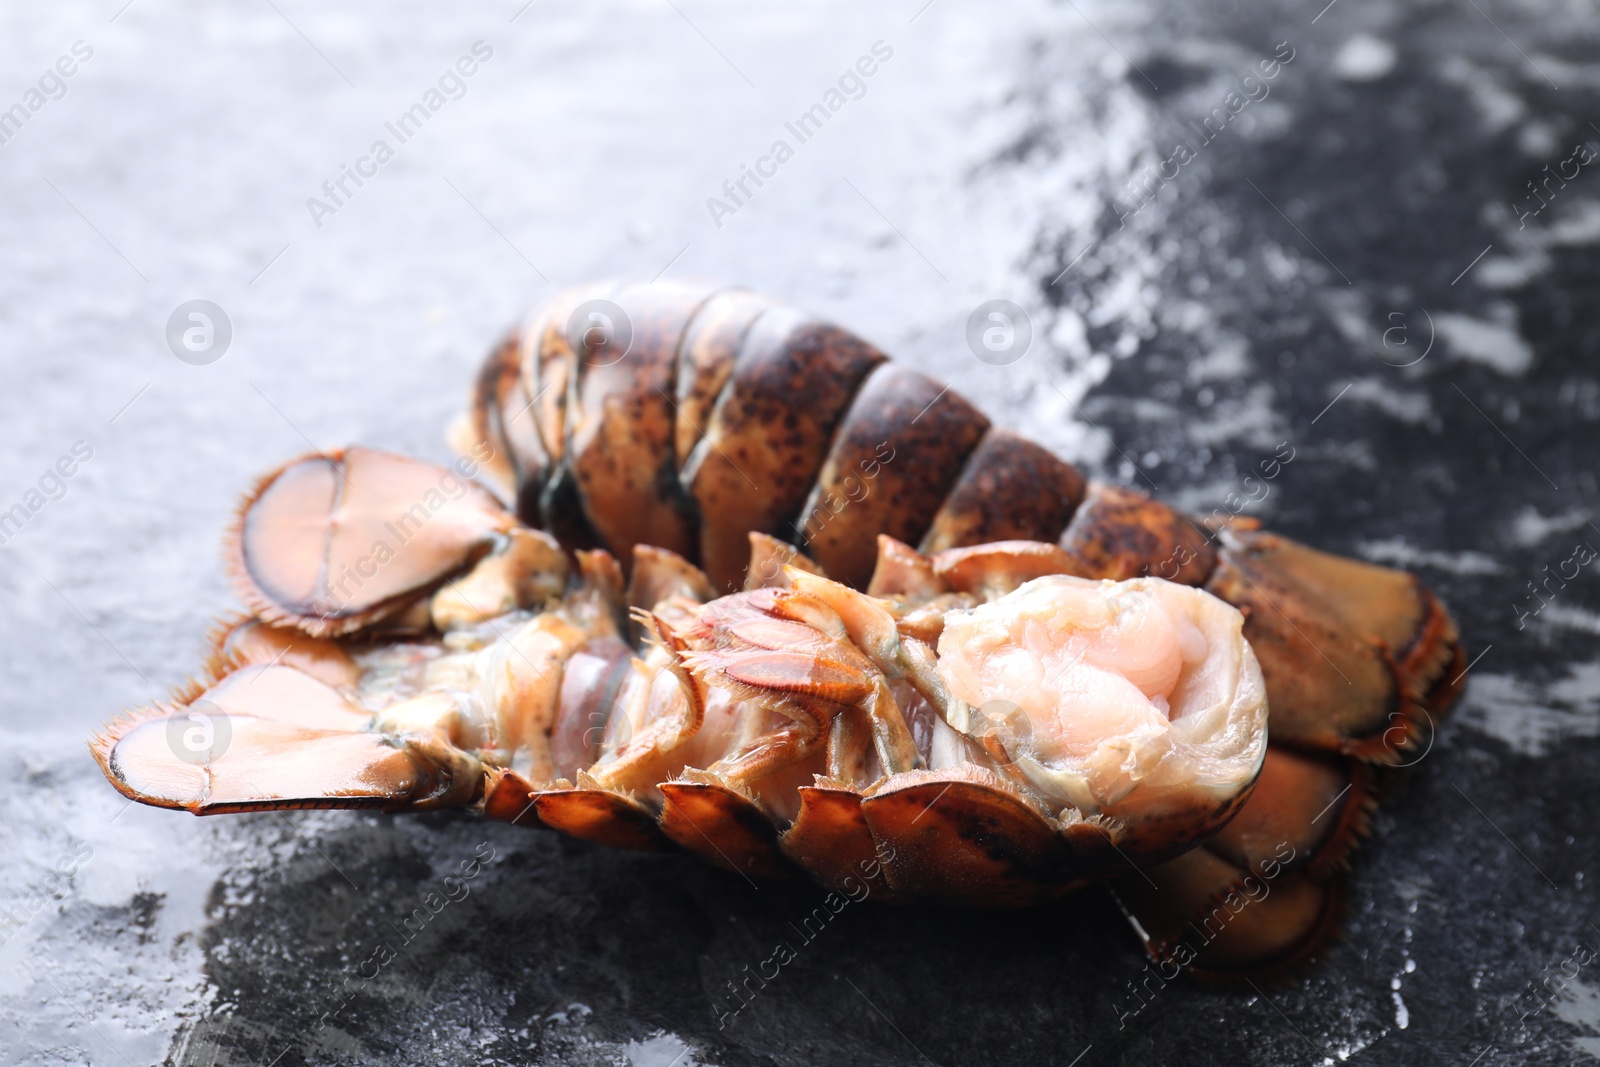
(721, 576)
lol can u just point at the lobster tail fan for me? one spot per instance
(1264, 895)
(272, 737)
(1354, 655)
(1358, 661)
(330, 544)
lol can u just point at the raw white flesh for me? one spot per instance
(1115, 697)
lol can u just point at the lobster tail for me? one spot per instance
(770, 731)
(729, 414)
(709, 416)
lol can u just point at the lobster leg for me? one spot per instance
(867, 625)
(850, 749)
(777, 751)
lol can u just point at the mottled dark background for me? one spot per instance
(1353, 266)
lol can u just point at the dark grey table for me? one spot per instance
(1350, 260)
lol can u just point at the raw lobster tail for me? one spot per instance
(798, 725)
(791, 606)
(730, 414)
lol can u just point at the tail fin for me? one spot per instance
(1357, 658)
(272, 737)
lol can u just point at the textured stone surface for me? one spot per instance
(1376, 187)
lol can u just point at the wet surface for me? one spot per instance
(1349, 262)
